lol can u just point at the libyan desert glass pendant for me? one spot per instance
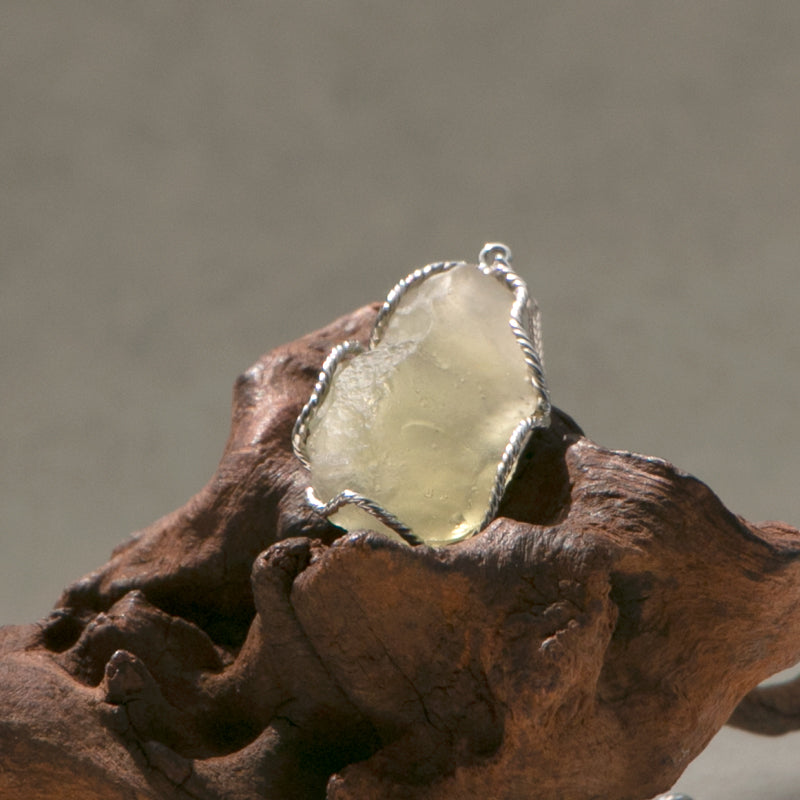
(418, 434)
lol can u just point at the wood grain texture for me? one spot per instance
(587, 645)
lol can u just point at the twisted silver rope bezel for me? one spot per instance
(347, 497)
(525, 324)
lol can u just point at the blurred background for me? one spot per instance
(185, 185)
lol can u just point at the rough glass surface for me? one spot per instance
(419, 423)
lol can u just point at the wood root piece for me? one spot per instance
(587, 645)
(770, 710)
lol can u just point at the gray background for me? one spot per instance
(184, 185)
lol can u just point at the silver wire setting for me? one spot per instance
(525, 322)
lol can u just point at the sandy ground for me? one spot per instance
(185, 185)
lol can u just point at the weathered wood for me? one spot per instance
(587, 645)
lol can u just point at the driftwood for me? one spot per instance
(588, 644)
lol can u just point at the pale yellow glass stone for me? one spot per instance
(419, 423)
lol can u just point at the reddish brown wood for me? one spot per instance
(587, 645)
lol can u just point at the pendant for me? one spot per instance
(418, 434)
